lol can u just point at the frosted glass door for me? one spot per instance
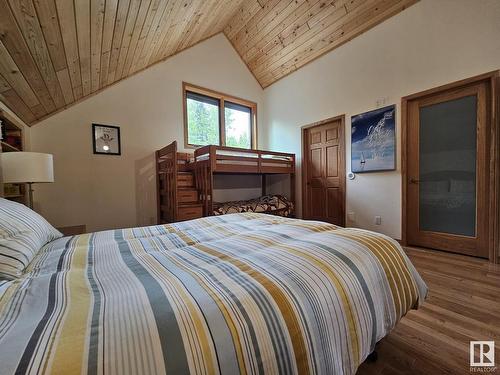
(447, 205)
(447, 167)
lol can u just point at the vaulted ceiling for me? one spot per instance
(277, 37)
(56, 52)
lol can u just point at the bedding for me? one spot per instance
(269, 204)
(22, 234)
(4, 285)
(242, 293)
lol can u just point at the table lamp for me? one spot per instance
(27, 168)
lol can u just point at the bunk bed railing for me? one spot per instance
(236, 160)
(204, 181)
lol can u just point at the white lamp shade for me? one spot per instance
(22, 167)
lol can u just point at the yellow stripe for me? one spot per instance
(393, 264)
(188, 310)
(227, 316)
(347, 305)
(410, 290)
(385, 261)
(286, 308)
(70, 346)
(7, 295)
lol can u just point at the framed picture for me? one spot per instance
(106, 139)
(373, 140)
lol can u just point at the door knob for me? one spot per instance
(414, 181)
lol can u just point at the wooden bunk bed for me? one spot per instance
(212, 160)
(181, 173)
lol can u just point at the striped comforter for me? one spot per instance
(242, 293)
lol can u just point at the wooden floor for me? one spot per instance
(463, 304)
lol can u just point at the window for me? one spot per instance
(238, 125)
(212, 118)
(203, 119)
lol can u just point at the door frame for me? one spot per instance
(304, 161)
(492, 80)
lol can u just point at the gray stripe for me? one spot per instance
(94, 328)
(298, 289)
(168, 329)
(358, 275)
(216, 323)
(268, 311)
(252, 287)
(209, 276)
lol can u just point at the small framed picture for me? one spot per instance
(106, 139)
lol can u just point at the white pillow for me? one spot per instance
(22, 234)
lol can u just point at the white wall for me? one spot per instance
(236, 187)
(432, 43)
(105, 191)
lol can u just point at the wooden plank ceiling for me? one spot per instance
(56, 52)
(280, 36)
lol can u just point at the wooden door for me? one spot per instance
(324, 171)
(447, 175)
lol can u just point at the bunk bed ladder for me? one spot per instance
(166, 180)
(177, 194)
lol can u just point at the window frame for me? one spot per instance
(222, 98)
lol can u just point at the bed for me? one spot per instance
(241, 293)
(210, 161)
(185, 182)
(275, 204)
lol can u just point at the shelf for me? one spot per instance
(9, 123)
(8, 147)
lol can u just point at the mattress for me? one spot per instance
(270, 204)
(243, 293)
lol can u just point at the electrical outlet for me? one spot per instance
(351, 216)
(382, 101)
(378, 220)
